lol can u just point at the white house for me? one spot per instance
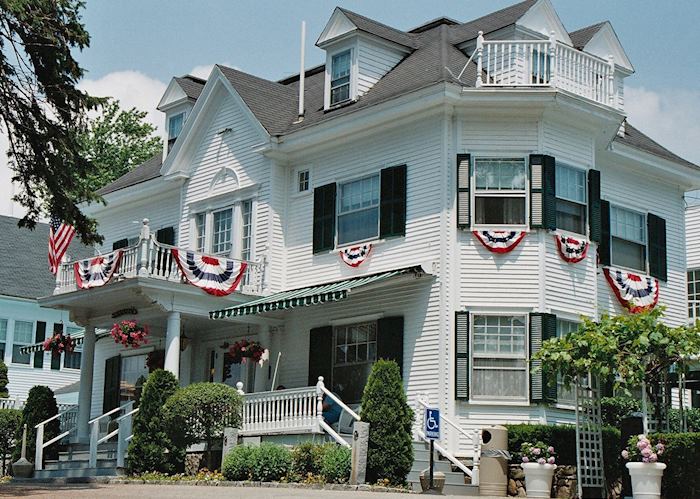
(692, 224)
(448, 197)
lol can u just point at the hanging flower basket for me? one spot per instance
(129, 334)
(58, 343)
(242, 350)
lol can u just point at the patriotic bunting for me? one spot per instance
(571, 249)
(634, 292)
(499, 241)
(214, 275)
(97, 271)
(355, 256)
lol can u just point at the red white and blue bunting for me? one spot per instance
(356, 255)
(97, 271)
(215, 275)
(634, 292)
(499, 241)
(571, 249)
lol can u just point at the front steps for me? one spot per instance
(456, 482)
(74, 462)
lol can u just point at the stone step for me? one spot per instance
(65, 465)
(77, 473)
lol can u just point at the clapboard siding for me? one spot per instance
(490, 137)
(569, 287)
(692, 230)
(567, 144)
(374, 61)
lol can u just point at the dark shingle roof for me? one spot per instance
(191, 85)
(376, 28)
(581, 37)
(147, 170)
(634, 138)
(24, 253)
(490, 22)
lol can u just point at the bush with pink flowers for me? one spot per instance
(539, 453)
(644, 449)
(129, 334)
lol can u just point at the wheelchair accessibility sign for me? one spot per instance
(432, 423)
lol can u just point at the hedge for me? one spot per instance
(682, 456)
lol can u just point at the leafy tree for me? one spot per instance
(3, 380)
(384, 407)
(40, 406)
(9, 427)
(42, 110)
(116, 141)
(151, 448)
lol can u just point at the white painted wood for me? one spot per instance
(692, 228)
(172, 344)
(87, 367)
(374, 60)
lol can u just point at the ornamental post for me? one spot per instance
(87, 364)
(144, 240)
(611, 80)
(319, 401)
(479, 53)
(552, 58)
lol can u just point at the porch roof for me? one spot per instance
(78, 337)
(312, 295)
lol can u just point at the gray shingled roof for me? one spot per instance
(381, 30)
(24, 253)
(581, 37)
(147, 170)
(191, 85)
(490, 22)
(635, 138)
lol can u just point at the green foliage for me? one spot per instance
(613, 409)
(537, 452)
(238, 463)
(151, 448)
(42, 111)
(270, 462)
(307, 458)
(40, 406)
(384, 407)
(116, 142)
(9, 427)
(3, 380)
(682, 454)
(335, 467)
(692, 417)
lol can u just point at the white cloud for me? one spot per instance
(204, 70)
(669, 117)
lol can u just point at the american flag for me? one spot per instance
(60, 236)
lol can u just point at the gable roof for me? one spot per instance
(191, 85)
(378, 29)
(581, 37)
(635, 138)
(490, 22)
(25, 271)
(147, 170)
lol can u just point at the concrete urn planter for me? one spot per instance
(438, 480)
(646, 479)
(538, 479)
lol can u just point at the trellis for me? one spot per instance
(589, 437)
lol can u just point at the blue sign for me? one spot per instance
(432, 423)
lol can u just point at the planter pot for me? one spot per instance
(538, 479)
(438, 481)
(646, 479)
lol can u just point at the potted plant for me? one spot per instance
(643, 453)
(129, 334)
(58, 343)
(244, 349)
(538, 465)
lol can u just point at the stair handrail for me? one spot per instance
(41, 445)
(448, 455)
(322, 425)
(125, 434)
(95, 439)
(322, 387)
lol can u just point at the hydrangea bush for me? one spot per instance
(643, 449)
(539, 453)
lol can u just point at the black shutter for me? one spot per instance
(392, 208)
(390, 340)
(604, 244)
(39, 337)
(656, 227)
(542, 327)
(463, 198)
(166, 236)
(110, 398)
(594, 205)
(543, 201)
(321, 355)
(324, 218)
(122, 243)
(462, 355)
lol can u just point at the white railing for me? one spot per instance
(693, 311)
(149, 258)
(95, 439)
(67, 422)
(11, 403)
(321, 390)
(124, 435)
(475, 438)
(544, 63)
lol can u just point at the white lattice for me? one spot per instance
(589, 439)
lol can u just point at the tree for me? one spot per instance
(3, 380)
(384, 407)
(116, 141)
(43, 111)
(40, 406)
(631, 350)
(9, 427)
(151, 449)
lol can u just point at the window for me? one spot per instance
(71, 360)
(3, 338)
(500, 191)
(23, 334)
(175, 125)
(340, 77)
(693, 296)
(565, 396)
(246, 229)
(355, 350)
(628, 238)
(133, 375)
(571, 199)
(221, 244)
(303, 178)
(499, 359)
(200, 227)
(358, 211)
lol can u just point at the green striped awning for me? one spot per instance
(312, 295)
(78, 337)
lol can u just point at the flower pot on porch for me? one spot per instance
(646, 479)
(538, 479)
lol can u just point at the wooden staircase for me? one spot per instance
(456, 482)
(74, 462)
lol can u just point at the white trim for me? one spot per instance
(524, 193)
(347, 45)
(296, 193)
(356, 319)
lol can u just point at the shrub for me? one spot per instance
(9, 427)
(682, 454)
(238, 464)
(692, 418)
(335, 467)
(613, 409)
(200, 412)
(384, 407)
(151, 448)
(270, 462)
(307, 458)
(3, 380)
(40, 406)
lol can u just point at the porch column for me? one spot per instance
(172, 344)
(87, 364)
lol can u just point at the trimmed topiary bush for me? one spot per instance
(682, 455)
(384, 407)
(270, 462)
(9, 427)
(238, 464)
(335, 467)
(151, 448)
(4, 380)
(40, 406)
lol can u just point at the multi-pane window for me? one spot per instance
(71, 360)
(303, 178)
(499, 358)
(3, 338)
(565, 396)
(221, 242)
(500, 191)
(175, 125)
(132, 376)
(340, 77)
(246, 229)
(23, 335)
(628, 238)
(355, 350)
(571, 199)
(358, 210)
(200, 227)
(693, 295)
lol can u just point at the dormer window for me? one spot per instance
(175, 125)
(340, 77)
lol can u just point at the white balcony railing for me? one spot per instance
(149, 258)
(544, 63)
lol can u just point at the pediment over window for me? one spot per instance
(338, 25)
(225, 180)
(543, 19)
(605, 42)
